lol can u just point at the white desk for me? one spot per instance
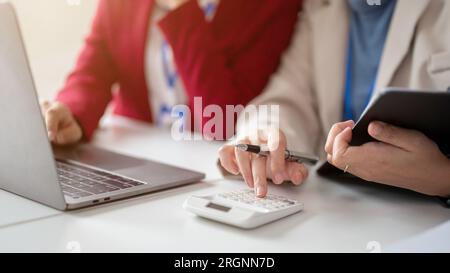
(337, 217)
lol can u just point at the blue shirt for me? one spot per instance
(369, 26)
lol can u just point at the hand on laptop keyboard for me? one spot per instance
(62, 127)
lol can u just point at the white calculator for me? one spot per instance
(242, 208)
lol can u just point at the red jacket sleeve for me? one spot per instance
(87, 91)
(208, 70)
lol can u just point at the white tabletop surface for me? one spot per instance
(338, 217)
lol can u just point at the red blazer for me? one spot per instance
(226, 62)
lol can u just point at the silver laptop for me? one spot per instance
(64, 178)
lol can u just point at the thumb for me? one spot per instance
(396, 136)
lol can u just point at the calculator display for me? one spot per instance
(218, 207)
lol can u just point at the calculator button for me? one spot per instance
(247, 198)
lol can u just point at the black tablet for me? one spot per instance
(427, 112)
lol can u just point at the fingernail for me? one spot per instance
(377, 128)
(258, 191)
(279, 178)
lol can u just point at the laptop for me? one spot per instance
(62, 178)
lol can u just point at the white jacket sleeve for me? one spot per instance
(291, 87)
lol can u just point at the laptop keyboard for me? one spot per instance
(79, 181)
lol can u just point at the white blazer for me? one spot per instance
(309, 85)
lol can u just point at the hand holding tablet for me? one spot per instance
(401, 140)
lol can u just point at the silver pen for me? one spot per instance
(290, 156)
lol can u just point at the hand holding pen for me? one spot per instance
(289, 156)
(276, 163)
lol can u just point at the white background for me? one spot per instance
(54, 32)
